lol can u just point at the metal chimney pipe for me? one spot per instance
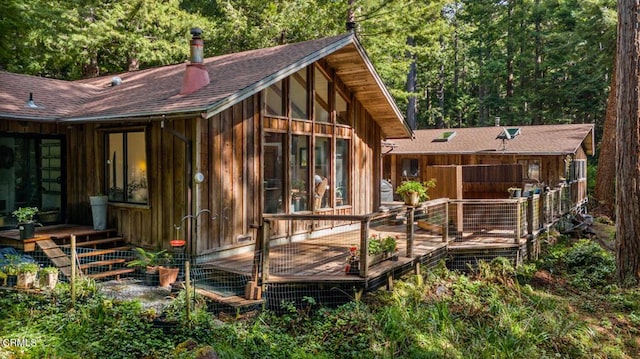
(197, 46)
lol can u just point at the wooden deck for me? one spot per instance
(61, 232)
(324, 259)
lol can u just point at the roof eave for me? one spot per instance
(140, 116)
(396, 111)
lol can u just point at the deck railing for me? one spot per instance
(318, 245)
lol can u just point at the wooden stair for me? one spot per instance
(99, 255)
(56, 255)
(233, 301)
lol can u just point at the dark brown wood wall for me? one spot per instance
(229, 157)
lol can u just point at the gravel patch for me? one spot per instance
(133, 289)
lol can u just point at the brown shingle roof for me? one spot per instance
(534, 140)
(155, 92)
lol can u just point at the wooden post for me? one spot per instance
(73, 270)
(516, 232)
(266, 229)
(410, 230)
(364, 246)
(187, 282)
(530, 210)
(445, 225)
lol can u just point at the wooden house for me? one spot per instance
(201, 151)
(483, 163)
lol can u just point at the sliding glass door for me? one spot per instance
(31, 175)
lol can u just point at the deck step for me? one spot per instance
(96, 242)
(106, 262)
(233, 301)
(112, 273)
(57, 257)
(100, 252)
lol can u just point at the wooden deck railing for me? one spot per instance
(322, 249)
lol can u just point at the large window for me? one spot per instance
(299, 174)
(410, 167)
(531, 169)
(32, 172)
(322, 173)
(343, 168)
(273, 172)
(275, 100)
(127, 167)
(578, 170)
(321, 87)
(299, 100)
(342, 116)
(307, 167)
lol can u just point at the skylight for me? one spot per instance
(445, 136)
(509, 133)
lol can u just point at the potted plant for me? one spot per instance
(150, 261)
(48, 277)
(11, 269)
(167, 272)
(353, 261)
(515, 192)
(414, 192)
(26, 223)
(381, 248)
(27, 272)
(99, 211)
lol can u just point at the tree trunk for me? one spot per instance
(628, 166)
(411, 86)
(605, 178)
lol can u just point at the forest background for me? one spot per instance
(455, 63)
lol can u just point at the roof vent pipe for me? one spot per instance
(197, 46)
(497, 121)
(196, 75)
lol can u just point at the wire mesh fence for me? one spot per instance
(484, 219)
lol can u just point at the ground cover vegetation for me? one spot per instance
(562, 306)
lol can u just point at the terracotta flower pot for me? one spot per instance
(168, 276)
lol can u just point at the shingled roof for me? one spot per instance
(155, 93)
(532, 140)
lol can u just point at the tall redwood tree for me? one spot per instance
(628, 144)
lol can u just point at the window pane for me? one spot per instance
(410, 167)
(275, 101)
(127, 167)
(321, 87)
(321, 178)
(115, 166)
(299, 95)
(273, 172)
(299, 173)
(137, 191)
(31, 175)
(342, 116)
(343, 185)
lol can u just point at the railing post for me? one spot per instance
(516, 234)
(410, 230)
(266, 229)
(364, 248)
(530, 211)
(445, 225)
(74, 258)
(530, 215)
